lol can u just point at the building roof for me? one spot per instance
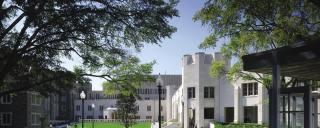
(167, 80)
(301, 60)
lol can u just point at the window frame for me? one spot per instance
(35, 99)
(35, 122)
(2, 123)
(101, 107)
(78, 108)
(208, 92)
(249, 109)
(89, 108)
(191, 92)
(207, 113)
(250, 89)
(4, 99)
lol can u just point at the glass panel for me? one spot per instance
(244, 89)
(255, 88)
(250, 88)
(284, 116)
(296, 103)
(283, 103)
(297, 120)
(206, 92)
(299, 103)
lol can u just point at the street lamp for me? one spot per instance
(92, 115)
(82, 97)
(159, 83)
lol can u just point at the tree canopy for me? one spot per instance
(36, 34)
(256, 25)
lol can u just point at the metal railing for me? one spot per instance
(114, 120)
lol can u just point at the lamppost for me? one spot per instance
(159, 83)
(82, 97)
(92, 115)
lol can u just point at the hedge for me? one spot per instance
(238, 125)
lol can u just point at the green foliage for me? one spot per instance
(40, 33)
(128, 76)
(209, 42)
(241, 125)
(257, 25)
(127, 110)
(217, 68)
(233, 73)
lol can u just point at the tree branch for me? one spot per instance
(13, 24)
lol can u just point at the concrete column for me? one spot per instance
(169, 103)
(237, 104)
(260, 105)
(217, 104)
(185, 108)
(199, 107)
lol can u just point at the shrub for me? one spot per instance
(238, 125)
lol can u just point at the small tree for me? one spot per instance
(127, 109)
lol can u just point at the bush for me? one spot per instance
(240, 125)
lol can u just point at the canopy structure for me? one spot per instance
(301, 60)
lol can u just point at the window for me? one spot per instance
(148, 117)
(191, 92)
(97, 96)
(6, 119)
(137, 108)
(161, 108)
(35, 118)
(250, 89)
(77, 117)
(78, 108)
(208, 113)
(148, 108)
(7, 99)
(101, 108)
(137, 117)
(89, 108)
(35, 99)
(250, 114)
(208, 92)
(229, 114)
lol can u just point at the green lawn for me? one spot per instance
(112, 125)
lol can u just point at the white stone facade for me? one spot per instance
(227, 104)
(228, 98)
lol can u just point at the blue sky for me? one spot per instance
(185, 41)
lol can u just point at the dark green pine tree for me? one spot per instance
(127, 109)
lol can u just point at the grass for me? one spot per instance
(112, 125)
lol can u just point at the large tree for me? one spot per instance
(257, 25)
(36, 34)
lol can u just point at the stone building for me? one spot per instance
(29, 109)
(191, 99)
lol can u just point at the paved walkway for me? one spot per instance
(155, 125)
